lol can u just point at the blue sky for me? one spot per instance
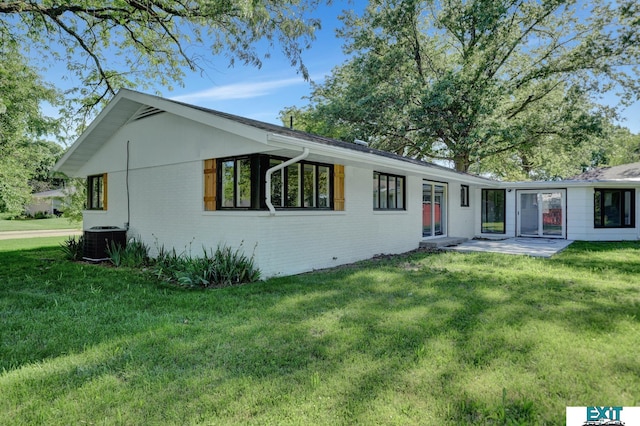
(262, 93)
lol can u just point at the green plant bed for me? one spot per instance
(428, 338)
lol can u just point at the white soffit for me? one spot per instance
(101, 129)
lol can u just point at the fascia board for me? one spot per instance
(101, 123)
(95, 124)
(569, 184)
(371, 159)
(114, 115)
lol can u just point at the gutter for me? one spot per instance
(267, 184)
(371, 158)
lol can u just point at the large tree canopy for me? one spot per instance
(108, 44)
(22, 125)
(468, 80)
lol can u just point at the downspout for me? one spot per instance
(267, 184)
(128, 223)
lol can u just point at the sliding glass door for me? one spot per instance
(541, 213)
(434, 209)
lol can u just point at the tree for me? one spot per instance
(622, 147)
(42, 156)
(21, 126)
(469, 80)
(151, 41)
(76, 201)
(110, 44)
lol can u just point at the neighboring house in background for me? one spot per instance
(49, 202)
(183, 176)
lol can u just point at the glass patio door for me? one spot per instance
(434, 206)
(541, 213)
(529, 214)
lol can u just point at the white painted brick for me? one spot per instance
(166, 155)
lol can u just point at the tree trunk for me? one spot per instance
(462, 162)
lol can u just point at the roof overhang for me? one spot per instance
(129, 105)
(110, 119)
(323, 152)
(559, 184)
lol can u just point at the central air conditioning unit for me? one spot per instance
(97, 240)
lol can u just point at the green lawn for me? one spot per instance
(36, 224)
(442, 338)
(30, 243)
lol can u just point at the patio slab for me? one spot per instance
(536, 247)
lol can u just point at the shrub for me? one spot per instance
(167, 263)
(219, 268)
(233, 267)
(73, 249)
(134, 254)
(42, 215)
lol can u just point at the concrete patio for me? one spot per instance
(536, 247)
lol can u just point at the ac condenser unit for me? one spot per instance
(98, 238)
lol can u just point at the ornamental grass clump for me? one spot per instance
(134, 254)
(233, 267)
(220, 268)
(73, 248)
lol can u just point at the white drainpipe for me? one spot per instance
(267, 184)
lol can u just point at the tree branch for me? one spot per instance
(103, 76)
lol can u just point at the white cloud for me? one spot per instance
(238, 90)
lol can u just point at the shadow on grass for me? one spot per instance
(428, 338)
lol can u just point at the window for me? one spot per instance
(241, 184)
(388, 191)
(464, 195)
(493, 211)
(614, 208)
(235, 182)
(301, 185)
(97, 192)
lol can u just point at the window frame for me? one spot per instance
(484, 212)
(600, 207)
(97, 201)
(464, 196)
(260, 164)
(236, 191)
(400, 183)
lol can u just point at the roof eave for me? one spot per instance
(370, 158)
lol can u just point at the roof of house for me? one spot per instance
(54, 193)
(286, 131)
(128, 105)
(624, 172)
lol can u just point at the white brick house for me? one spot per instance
(187, 177)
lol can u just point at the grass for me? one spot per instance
(35, 224)
(429, 338)
(30, 243)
